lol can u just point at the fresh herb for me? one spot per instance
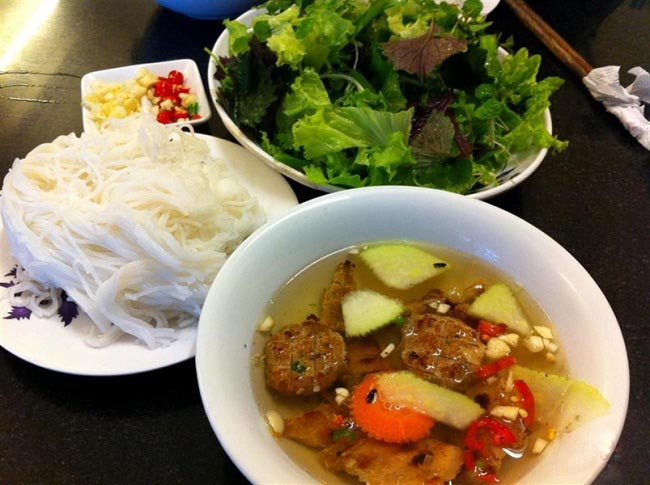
(400, 321)
(347, 433)
(298, 367)
(193, 109)
(421, 55)
(356, 93)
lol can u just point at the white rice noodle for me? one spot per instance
(133, 223)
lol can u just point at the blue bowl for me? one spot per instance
(209, 9)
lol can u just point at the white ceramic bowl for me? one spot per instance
(122, 74)
(518, 169)
(587, 327)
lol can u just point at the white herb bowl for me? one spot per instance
(235, 304)
(518, 169)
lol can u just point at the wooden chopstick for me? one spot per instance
(551, 39)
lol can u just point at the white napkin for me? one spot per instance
(624, 103)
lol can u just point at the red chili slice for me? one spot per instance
(180, 114)
(475, 445)
(527, 400)
(179, 88)
(500, 433)
(165, 117)
(491, 369)
(489, 329)
(163, 88)
(175, 77)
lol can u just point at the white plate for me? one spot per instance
(122, 74)
(518, 169)
(49, 344)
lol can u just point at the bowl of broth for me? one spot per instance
(310, 274)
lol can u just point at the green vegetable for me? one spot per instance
(193, 109)
(444, 405)
(357, 93)
(365, 311)
(238, 37)
(498, 304)
(249, 90)
(561, 402)
(336, 129)
(399, 321)
(348, 433)
(402, 266)
(298, 367)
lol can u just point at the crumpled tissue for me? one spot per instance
(626, 103)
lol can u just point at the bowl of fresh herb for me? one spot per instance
(354, 93)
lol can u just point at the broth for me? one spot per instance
(301, 296)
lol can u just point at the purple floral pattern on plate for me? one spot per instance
(67, 311)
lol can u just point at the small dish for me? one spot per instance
(237, 301)
(187, 67)
(50, 344)
(518, 169)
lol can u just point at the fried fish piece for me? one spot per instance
(342, 283)
(442, 349)
(427, 461)
(314, 427)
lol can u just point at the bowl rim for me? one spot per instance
(613, 382)
(213, 85)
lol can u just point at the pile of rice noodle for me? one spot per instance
(133, 223)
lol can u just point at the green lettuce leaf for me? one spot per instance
(280, 36)
(324, 33)
(238, 37)
(335, 129)
(307, 94)
(384, 162)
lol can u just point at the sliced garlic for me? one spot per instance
(539, 445)
(496, 348)
(387, 351)
(443, 308)
(276, 422)
(534, 343)
(511, 339)
(507, 412)
(266, 325)
(545, 332)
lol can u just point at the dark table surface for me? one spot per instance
(594, 199)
